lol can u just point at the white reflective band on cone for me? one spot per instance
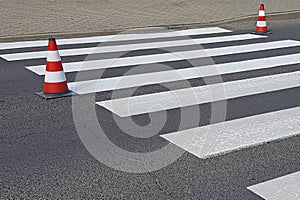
(53, 56)
(261, 23)
(261, 13)
(55, 77)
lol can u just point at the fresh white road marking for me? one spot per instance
(99, 85)
(120, 37)
(220, 138)
(282, 188)
(167, 57)
(154, 102)
(129, 47)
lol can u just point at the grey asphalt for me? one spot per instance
(42, 155)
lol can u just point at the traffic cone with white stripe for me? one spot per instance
(261, 25)
(55, 83)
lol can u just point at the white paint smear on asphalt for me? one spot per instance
(129, 47)
(225, 137)
(282, 188)
(167, 57)
(120, 37)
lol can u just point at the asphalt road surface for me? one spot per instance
(183, 149)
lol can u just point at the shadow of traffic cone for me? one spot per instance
(55, 83)
(261, 25)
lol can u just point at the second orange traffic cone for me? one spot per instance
(261, 25)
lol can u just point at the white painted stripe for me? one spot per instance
(166, 57)
(55, 77)
(261, 23)
(143, 104)
(130, 47)
(120, 37)
(220, 138)
(261, 13)
(53, 56)
(99, 85)
(282, 188)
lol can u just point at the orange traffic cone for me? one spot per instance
(261, 25)
(55, 83)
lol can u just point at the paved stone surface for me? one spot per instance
(32, 17)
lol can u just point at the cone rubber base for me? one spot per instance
(262, 33)
(55, 96)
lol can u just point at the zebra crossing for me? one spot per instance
(167, 57)
(239, 133)
(234, 134)
(121, 37)
(200, 95)
(281, 188)
(130, 47)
